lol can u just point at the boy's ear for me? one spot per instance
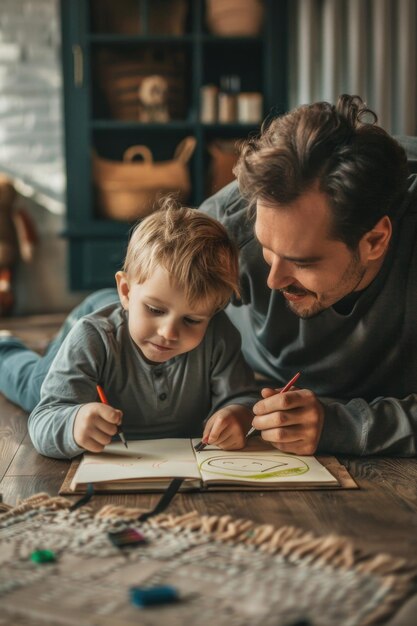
(123, 288)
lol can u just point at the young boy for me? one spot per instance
(165, 354)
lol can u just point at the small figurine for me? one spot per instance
(17, 241)
(153, 96)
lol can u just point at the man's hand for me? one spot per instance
(95, 425)
(291, 421)
(227, 427)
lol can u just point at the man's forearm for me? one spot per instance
(383, 426)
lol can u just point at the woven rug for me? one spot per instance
(227, 571)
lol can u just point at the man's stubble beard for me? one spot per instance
(353, 274)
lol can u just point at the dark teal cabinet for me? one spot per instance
(97, 244)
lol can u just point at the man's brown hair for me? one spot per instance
(340, 148)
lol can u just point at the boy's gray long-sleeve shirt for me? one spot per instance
(361, 364)
(170, 399)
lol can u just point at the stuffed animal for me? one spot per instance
(153, 105)
(17, 241)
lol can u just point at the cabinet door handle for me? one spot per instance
(77, 54)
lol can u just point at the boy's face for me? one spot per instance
(161, 321)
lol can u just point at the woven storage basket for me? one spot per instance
(128, 190)
(165, 17)
(224, 154)
(234, 17)
(120, 77)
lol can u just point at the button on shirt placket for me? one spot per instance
(160, 386)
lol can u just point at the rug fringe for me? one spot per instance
(115, 510)
(37, 501)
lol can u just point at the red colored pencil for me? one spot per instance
(283, 390)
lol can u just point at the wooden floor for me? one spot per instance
(381, 516)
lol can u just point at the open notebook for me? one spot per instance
(149, 465)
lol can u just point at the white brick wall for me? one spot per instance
(31, 129)
(31, 144)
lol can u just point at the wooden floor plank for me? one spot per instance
(13, 428)
(28, 462)
(16, 488)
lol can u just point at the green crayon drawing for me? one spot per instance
(254, 468)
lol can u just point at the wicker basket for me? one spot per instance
(120, 77)
(224, 154)
(235, 17)
(129, 189)
(165, 17)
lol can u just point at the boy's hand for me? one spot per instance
(227, 428)
(95, 425)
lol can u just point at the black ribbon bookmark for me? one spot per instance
(164, 501)
(161, 505)
(84, 499)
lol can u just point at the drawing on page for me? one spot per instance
(157, 464)
(114, 460)
(255, 468)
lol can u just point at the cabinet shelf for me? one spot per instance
(118, 125)
(164, 127)
(231, 41)
(102, 56)
(238, 127)
(97, 229)
(139, 39)
(110, 38)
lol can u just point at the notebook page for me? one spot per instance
(260, 464)
(152, 458)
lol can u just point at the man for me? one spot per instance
(329, 280)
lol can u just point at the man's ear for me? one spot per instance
(375, 242)
(123, 289)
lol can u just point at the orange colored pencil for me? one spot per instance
(104, 400)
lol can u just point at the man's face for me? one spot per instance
(310, 269)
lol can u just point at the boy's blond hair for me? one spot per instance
(194, 248)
